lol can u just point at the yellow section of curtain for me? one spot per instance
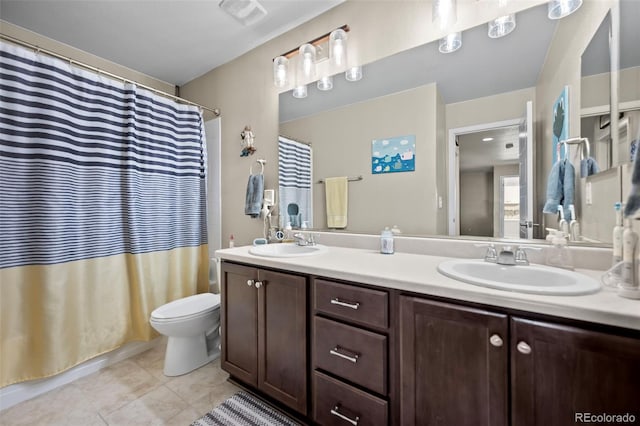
(54, 317)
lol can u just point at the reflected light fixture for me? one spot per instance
(325, 83)
(353, 74)
(502, 26)
(450, 43)
(444, 13)
(338, 47)
(561, 8)
(300, 91)
(280, 71)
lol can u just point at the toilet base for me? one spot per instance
(185, 354)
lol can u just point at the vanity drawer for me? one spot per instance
(356, 355)
(362, 305)
(336, 403)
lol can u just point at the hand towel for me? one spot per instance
(568, 188)
(255, 190)
(589, 167)
(337, 196)
(633, 200)
(554, 188)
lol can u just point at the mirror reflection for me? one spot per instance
(480, 91)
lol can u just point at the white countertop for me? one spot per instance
(418, 273)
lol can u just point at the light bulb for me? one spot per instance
(280, 71)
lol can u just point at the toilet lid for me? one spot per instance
(187, 306)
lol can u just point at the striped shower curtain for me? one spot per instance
(294, 176)
(103, 212)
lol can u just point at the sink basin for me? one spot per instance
(286, 250)
(535, 279)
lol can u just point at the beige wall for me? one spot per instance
(244, 91)
(63, 49)
(344, 149)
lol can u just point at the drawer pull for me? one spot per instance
(496, 340)
(250, 283)
(352, 305)
(336, 351)
(335, 411)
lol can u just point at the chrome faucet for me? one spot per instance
(507, 255)
(304, 239)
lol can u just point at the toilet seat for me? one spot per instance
(188, 307)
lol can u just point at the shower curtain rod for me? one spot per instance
(97, 70)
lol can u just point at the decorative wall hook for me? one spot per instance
(247, 142)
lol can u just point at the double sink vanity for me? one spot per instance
(349, 336)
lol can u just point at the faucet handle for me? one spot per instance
(491, 255)
(521, 254)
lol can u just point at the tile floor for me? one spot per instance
(131, 392)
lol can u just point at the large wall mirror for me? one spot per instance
(474, 101)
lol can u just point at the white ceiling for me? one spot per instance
(172, 40)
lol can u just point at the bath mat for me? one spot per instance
(243, 409)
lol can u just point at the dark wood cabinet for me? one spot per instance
(453, 364)
(560, 374)
(264, 331)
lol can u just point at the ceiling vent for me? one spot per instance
(247, 12)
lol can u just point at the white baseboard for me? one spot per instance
(15, 394)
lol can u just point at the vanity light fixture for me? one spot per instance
(307, 61)
(450, 43)
(502, 26)
(338, 47)
(561, 8)
(280, 71)
(444, 13)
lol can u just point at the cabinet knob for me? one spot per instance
(523, 348)
(250, 283)
(496, 340)
(258, 284)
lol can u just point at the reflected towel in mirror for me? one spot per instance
(337, 199)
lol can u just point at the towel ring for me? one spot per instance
(259, 161)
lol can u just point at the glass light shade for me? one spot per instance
(561, 8)
(280, 71)
(307, 58)
(444, 13)
(502, 26)
(338, 47)
(450, 43)
(300, 91)
(353, 74)
(325, 83)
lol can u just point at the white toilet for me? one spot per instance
(192, 325)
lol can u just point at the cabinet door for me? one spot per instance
(560, 373)
(282, 340)
(453, 364)
(239, 321)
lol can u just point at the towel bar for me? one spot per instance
(350, 179)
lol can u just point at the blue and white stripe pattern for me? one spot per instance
(294, 175)
(93, 167)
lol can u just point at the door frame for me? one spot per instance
(453, 211)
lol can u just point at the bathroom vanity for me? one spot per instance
(355, 337)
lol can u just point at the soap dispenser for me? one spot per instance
(386, 241)
(558, 255)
